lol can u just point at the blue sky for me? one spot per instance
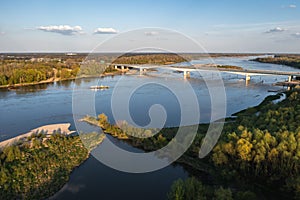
(220, 26)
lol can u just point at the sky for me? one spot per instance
(252, 26)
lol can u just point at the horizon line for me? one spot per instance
(115, 52)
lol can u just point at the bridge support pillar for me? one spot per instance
(116, 66)
(122, 67)
(290, 78)
(248, 77)
(186, 74)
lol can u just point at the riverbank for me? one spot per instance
(47, 130)
(40, 165)
(53, 80)
(292, 61)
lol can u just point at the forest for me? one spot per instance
(24, 69)
(40, 167)
(13, 71)
(149, 58)
(289, 60)
(49, 68)
(256, 157)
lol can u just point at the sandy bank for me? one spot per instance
(47, 129)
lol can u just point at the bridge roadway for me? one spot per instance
(210, 67)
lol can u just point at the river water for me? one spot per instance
(30, 107)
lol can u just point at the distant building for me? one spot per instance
(71, 54)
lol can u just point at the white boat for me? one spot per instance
(97, 87)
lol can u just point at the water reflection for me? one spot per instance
(65, 84)
(4, 92)
(32, 88)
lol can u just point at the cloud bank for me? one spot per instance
(105, 31)
(297, 35)
(276, 30)
(62, 29)
(151, 33)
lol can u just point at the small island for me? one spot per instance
(229, 67)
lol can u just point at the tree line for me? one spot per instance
(22, 71)
(289, 60)
(264, 146)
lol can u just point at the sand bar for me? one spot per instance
(47, 129)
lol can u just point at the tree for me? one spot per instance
(223, 194)
(244, 149)
(177, 191)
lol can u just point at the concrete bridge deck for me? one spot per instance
(210, 67)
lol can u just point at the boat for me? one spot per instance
(97, 87)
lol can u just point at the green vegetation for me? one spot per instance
(14, 71)
(150, 58)
(194, 189)
(146, 142)
(258, 152)
(229, 67)
(264, 147)
(33, 69)
(39, 168)
(289, 60)
(170, 58)
(42, 69)
(91, 140)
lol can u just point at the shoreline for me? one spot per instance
(53, 80)
(65, 185)
(278, 61)
(47, 129)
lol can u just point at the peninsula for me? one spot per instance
(37, 164)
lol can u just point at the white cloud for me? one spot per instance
(292, 6)
(151, 33)
(297, 35)
(62, 29)
(2, 33)
(105, 31)
(276, 30)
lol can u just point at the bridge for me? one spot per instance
(209, 67)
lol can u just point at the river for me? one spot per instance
(33, 106)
